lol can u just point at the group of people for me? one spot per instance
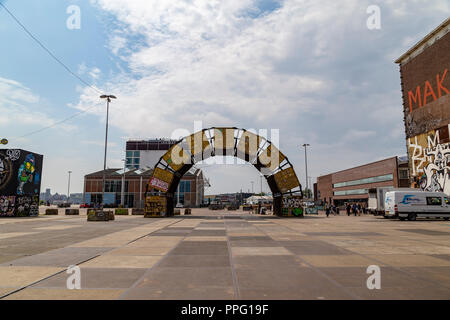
(355, 208)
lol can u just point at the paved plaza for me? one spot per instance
(222, 255)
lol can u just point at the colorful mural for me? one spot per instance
(429, 157)
(20, 182)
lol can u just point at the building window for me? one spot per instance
(351, 192)
(403, 174)
(387, 177)
(133, 159)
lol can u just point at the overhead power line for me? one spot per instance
(48, 50)
(52, 55)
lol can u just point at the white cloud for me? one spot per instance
(310, 68)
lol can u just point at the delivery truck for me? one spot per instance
(375, 204)
(409, 204)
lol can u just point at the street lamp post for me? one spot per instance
(306, 164)
(122, 195)
(261, 184)
(68, 188)
(108, 100)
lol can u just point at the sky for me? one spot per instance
(311, 69)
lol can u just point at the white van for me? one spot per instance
(411, 204)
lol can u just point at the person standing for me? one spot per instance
(348, 208)
(327, 210)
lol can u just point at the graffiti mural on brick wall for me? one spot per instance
(429, 160)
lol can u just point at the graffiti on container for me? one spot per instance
(7, 205)
(429, 160)
(27, 206)
(292, 206)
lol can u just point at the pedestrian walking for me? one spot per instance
(348, 208)
(327, 210)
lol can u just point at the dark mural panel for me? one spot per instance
(20, 182)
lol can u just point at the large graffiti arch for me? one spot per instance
(235, 142)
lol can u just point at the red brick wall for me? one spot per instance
(422, 69)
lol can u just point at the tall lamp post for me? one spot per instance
(68, 188)
(306, 164)
(122, 195)
(108, 100)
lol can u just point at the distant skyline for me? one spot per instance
(311, 69)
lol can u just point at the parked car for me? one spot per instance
(85, 205)
(411, 204)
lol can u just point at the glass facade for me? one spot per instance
(386, 177)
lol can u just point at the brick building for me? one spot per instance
(191, 187)
(354, 184)
(425, 80)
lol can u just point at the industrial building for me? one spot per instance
(353, 185)
(146, 153)
(425, 81)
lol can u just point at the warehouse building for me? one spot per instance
(353, 185)
(425, 81)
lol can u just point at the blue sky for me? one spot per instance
(309, 68)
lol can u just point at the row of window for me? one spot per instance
(350, 192)
(133, 159)
(386, 177)
(115, 186)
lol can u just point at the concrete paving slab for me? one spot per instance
(15, 234)
(259, 251)
(100, 278)
(301, 247)
(201, 248)
(295, 294)
(410, 260)
(339, 261)
(65, 294)
(116, 261)
(198, 261)
(268, 262)
(205, 238)
(140, 251)
(177, 278)
(427, 293)
(195, 293)
(19, 276)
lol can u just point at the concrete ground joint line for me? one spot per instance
(233, 272)
(149, 270)
(388, 265)
(48, 277)
(317, 270)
